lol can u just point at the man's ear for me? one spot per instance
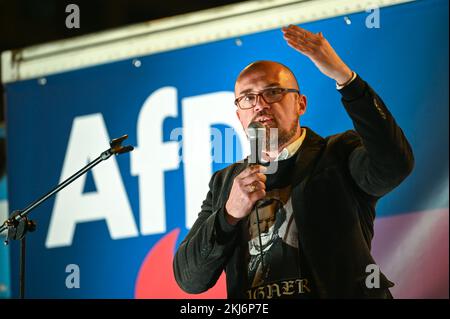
(301, 104)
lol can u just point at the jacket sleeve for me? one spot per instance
(201, 257)
(384, 157)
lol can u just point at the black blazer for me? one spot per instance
(336, 184)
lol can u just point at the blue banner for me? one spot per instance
(95, 238)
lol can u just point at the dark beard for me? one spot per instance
(284, 136)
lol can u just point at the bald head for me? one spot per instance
(277, 73)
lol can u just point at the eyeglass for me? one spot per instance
(270, 95)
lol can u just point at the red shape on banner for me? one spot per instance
(156, 279)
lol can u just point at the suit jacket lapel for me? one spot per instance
(307, 155)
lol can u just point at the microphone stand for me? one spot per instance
(18, 224)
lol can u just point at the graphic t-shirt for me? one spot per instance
(275, 269)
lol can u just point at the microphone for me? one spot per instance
(256, 134)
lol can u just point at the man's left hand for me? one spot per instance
(317, 48)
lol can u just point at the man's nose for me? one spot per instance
(260, 104)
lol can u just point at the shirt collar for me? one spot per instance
(292, 148)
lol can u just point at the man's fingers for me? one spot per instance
(308, 37)
(297, 41)
(255, 186)
(253, 178)
(294, 30)
(303, 40)
(251, 170)
(294, 37)
(303, 34)
(298, 30)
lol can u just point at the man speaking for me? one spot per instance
(304, 231)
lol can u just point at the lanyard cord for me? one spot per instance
(259, 236)
(259, 203)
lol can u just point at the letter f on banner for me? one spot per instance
(152, 157)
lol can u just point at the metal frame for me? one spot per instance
(172, 33)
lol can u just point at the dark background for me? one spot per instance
(29, 22)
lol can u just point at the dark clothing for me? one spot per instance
(283, 175)
(336, 184)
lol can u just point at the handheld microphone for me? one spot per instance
(256, 134)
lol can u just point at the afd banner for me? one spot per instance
(113, 232)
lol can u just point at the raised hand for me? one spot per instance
(319, 51)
